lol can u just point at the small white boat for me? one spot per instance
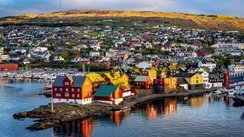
(237, 88)
(231, 93)
(220, 92)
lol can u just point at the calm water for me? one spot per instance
(196, 117)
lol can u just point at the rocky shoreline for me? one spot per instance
(64, 113)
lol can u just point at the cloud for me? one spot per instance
(228, 7)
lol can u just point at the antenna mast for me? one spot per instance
(60, 5)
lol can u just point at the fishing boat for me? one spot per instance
(48, 87)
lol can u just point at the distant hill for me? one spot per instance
(173, 18)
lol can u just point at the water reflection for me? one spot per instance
(150, 111)
(158, 107)
(87, 127)
(4, 80)
(118, 116)
(242, 116)
(212, 98)
(77, 128)
(196, 102)
(170, 106)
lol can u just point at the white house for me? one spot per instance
(224, 46)
(58, 58)
(205, 76)
(1, 50)
(95, 47)
(94, 54)
(207, 62)
(4, 57)
(236, 68)
(40, 49)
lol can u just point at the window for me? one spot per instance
(67, 89)
(58, 95)
(61, 89)
(78, 90)
(55, 89)
(66, 83)
(66, 94)
(72, 89)
(73, 95)
(78, 95)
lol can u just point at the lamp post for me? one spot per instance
(52, 101)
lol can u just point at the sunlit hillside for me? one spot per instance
(173, 18)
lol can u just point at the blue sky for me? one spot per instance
(222, 7)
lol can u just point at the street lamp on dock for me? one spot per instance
(52, 101)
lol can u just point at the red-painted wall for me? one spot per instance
(9, 67)
(227, 79)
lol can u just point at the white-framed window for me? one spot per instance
(66, 94)
(72, 89)
(58, 95)
(55, 89)
(78, 90)
(66, 83)
(67, 89)
(61, 89)
(78, 95)
(73, 95)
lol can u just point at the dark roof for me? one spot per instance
(105, 90)
(181, 81)
(207, 60)
(193, 68)
(59, 81)
(184, 74)
(77, 81)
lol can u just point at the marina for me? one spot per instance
(45, 74)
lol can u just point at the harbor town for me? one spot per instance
(120, 76)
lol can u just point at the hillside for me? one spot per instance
(172, 18)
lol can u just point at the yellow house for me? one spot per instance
(96, 80)
(194, 80)
(152, 74)
(170, 84)
(117, 79)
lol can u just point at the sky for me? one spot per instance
(219, 7)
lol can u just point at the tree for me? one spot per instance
(190, 49)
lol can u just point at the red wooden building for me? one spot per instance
(143, 82)
(76, 89)
(9, 67)
(109, 94)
